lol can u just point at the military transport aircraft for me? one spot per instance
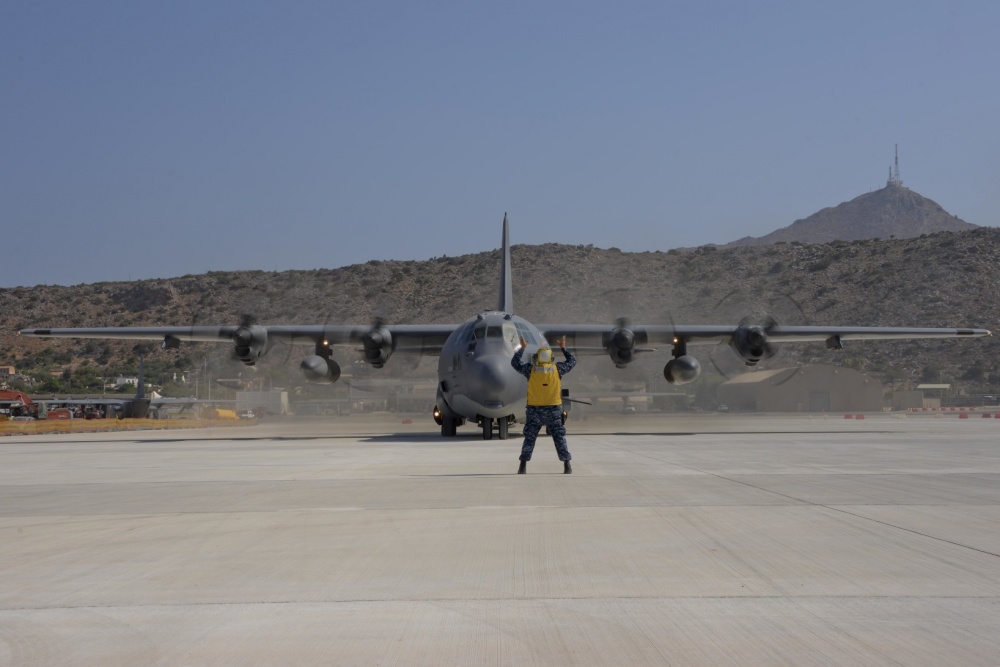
(476, 382)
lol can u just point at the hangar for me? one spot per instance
(817, 388)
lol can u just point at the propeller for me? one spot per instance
(750, 343)
(243, 336)
(621, 342)
(750, 340)
(378, 341)
(249, 340)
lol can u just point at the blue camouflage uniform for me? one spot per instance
(548, 415)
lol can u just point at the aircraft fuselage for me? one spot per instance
(475, 379)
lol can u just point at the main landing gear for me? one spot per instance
(449, 425)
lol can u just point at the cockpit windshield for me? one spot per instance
(504, 331)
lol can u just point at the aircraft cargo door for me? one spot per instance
(819, 401)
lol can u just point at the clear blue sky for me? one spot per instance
(157, 139)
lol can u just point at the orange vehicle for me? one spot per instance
(19, 403)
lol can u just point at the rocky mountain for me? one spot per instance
(894, 211)
(941, 279)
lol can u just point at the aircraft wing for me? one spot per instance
(429, 338)
(412, 338)
(408, 335)
(407, 338)
(593, 338)
(105, 400)
(807, 334)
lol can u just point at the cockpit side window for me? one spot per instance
(480, 331)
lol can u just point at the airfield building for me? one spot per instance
(817, 388)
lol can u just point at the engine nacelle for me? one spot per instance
(750, 343)
(377, 344)
(318, 370)
(682, 370)
(621, 346)
(251, 343)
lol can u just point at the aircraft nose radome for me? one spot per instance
(492, 375)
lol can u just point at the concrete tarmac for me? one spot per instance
(763, 540)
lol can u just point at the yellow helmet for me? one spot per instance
(543, 356)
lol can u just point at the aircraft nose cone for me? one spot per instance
(492, 376)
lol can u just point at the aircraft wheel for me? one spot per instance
(502, 425)
(448, 425)
(487, 428)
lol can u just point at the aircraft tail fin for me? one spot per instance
(506, 304)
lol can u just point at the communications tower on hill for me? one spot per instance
(894, 176)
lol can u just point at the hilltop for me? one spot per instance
(941, 279)
(894, 211)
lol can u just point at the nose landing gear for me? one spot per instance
(502, 424)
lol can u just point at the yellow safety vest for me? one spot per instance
(544, 385)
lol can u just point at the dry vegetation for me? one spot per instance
(942, 279)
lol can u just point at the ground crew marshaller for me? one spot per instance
(544, 400)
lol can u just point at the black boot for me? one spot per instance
(523, 468)
(567, 468)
